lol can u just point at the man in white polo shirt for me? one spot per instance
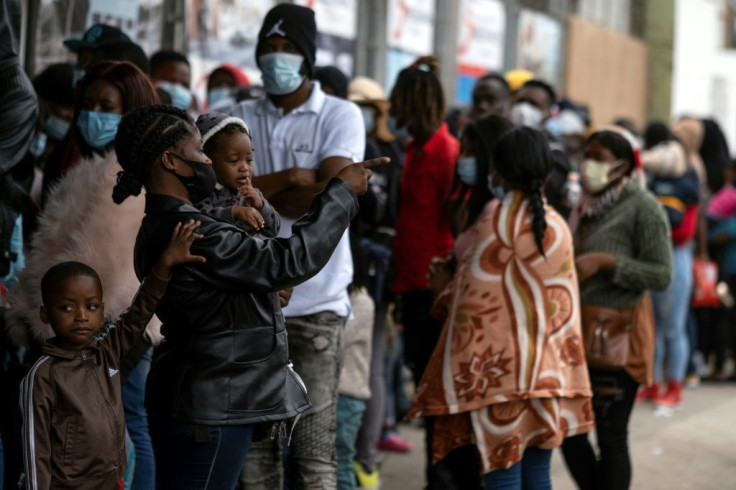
(302, 138)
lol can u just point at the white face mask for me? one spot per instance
(596, 175)
(525, 114)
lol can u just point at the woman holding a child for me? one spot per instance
(224, 365)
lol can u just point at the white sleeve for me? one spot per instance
(344, 133)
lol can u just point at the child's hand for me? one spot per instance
(250, 195)
(249, 216)
(178, 250)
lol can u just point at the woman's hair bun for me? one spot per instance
(128, 184)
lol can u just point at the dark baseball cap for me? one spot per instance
(96, 36)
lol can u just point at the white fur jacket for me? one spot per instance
(80, 222)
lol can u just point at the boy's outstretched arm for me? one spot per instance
(132, 323)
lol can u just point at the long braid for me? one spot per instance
(143, 135)
(539, 220)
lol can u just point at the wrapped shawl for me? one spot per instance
(509, 369)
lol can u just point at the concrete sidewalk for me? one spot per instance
(691, 448)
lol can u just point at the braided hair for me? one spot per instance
(143, 135)
(418, 97)
(523, 158)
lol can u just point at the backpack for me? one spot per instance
(677, 194)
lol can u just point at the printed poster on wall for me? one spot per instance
(411, 26)
(337, 26)
(480, 43)
(539, 45)
(224, 31)
(141, 20)
(409, 34)
(121, 13)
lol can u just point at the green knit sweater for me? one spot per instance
(637, 232)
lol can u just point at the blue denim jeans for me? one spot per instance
(198, 457)
(349, 417)
(531, 473)
(315, 348)
(671, 309)
(136, 420)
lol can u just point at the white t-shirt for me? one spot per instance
(322, 127)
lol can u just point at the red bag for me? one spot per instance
(705, 283)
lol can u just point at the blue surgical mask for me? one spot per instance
(77, 76)
(466, 170)
(401, 132)
(98, 128)
(55, 127)
(369, 119)
(217, 95)
(497, 191)
(281, 72)
(180, 96)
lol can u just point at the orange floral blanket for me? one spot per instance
(509, 369)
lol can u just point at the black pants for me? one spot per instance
(612, 470)
(461, 468)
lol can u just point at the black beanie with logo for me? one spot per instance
(295, 23)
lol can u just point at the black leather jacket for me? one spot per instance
(224, 360)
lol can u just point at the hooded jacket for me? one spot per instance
(225, 359)
(73, 420)
(80, 222)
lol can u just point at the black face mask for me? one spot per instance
(201, 185)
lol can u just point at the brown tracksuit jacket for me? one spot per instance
(73, 422)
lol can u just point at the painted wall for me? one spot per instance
(607, 71)
(704, 73)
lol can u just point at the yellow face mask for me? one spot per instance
(597, 175)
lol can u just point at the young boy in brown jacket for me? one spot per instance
(73, 423)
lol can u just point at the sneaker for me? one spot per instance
(393, 442)
(365, 480)
(672, 397)
(648, 393)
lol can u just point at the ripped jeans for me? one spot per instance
(315, 348)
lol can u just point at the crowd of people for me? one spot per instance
(535, 272)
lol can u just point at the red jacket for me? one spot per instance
(422, 229)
